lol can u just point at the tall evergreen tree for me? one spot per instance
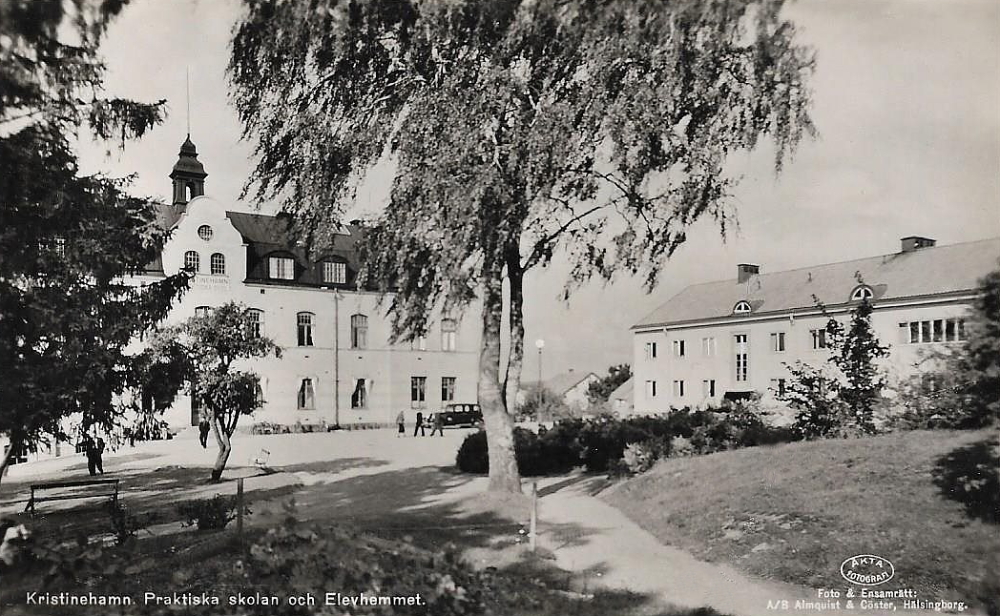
(517, 128)
(67, 240)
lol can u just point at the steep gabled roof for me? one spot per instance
(560, 383)
(931, 271)
(623, 391)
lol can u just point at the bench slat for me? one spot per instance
(73, 484)
(74, 496)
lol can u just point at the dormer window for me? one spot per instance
(862, 293)
(334, 272)
(281, 268)
(742, 307)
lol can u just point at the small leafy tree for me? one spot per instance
(210, 348)
(839, 398)
(601, 389)
(541, 404)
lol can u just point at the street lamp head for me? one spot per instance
(539, 344)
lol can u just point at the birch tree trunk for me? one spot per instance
(504, 476)
(515, 357)
(225, 447)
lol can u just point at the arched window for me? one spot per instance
(218, 264)
(192, 261)
(255, 322)
(861, 293)
(307, 395)
(305, 323)
(359, 331)
(449, 327)
(742, 307)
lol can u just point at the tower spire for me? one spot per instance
(187, 97)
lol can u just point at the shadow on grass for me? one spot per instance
(969, 475)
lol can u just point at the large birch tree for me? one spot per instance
(516, 129)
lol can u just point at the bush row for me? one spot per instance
(629, 445)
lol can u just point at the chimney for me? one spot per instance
(745, 270)
(915, 242)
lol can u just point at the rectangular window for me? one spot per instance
(938, 328)
(447, 389)
(961, 329)
(925, 331)
(818, 338)
(359, 331)
(914, 332)
(778, 387)
(449, 328)
(255, 322)
(708, 388)
(950, 330)
(679, 348)
(650, 389)
(419, 344)
(418, 392)
(307, 395)
(202, 311)
(334, 272)
(281, 268)
(359, 397)
(708, 347)
(778, 342)
(650, 350)
(304, 321)
(678, 389)
(742, 349)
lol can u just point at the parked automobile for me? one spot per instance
(458, 415)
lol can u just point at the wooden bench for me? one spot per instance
(110, 488)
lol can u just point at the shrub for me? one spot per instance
(681, 447)
(125, 524)
(640, 457)
(209, 513)
(536, 455)
(600, 444)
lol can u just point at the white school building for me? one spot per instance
(734, 336)
(337, 365)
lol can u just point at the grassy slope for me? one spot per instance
(815, 504)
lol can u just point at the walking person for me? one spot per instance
(401, 421)
(90, 450)
(203, 429)
(419, 425)
(99, 455)
(438, 424)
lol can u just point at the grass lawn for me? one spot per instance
(794, 512)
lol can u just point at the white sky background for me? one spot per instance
(906, 99)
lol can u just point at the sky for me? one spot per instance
(906, 100)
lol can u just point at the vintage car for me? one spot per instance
(459, 415)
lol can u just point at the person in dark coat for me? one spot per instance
(401, 421)
(99, 455)
(419, 425)
(90, 450)
(203, 429)
(438, 424)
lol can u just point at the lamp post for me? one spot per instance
(539, 344)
